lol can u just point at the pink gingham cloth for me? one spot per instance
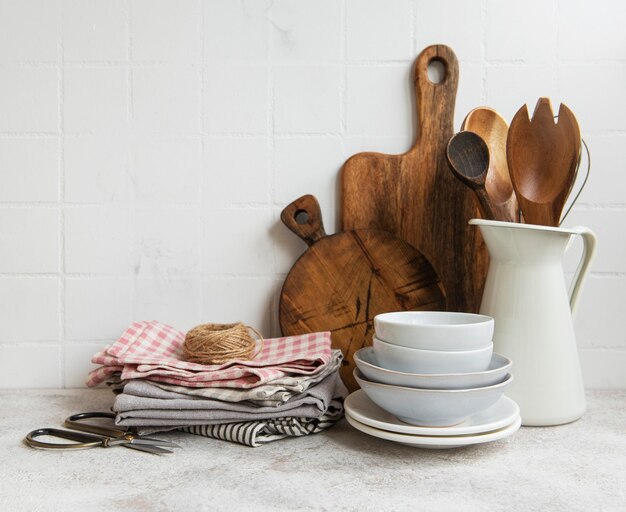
(153, 351)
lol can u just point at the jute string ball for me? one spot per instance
(220, 343)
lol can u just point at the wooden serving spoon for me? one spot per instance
(493, 129)
(543, 158)
(468, 156)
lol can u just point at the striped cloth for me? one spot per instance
(258, 433)
(153, 351)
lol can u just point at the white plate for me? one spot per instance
(499, 415)
(434, 442)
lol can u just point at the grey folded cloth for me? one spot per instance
(272, 394)
(140, 411)
(258, 433)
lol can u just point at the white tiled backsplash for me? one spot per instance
(147, 148)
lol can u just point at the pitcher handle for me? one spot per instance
(589, 249)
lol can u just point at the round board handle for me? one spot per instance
(304, 217)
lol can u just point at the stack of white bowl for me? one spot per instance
(432, 370)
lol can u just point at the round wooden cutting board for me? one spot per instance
(344, 280)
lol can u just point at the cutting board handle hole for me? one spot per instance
(301, 217)
(436, 70)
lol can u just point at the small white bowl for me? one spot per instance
(435, 330)
(414, 360)
(431, 407)
(366, 361)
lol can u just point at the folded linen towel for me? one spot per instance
(140, 411)
(152, 350)
(274, 393)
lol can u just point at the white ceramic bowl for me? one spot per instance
(435, 330)
(366, 361)
(414, 360)
(431, 407)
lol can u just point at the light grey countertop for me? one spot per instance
(580, 466)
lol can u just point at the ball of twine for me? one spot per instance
(220, 343)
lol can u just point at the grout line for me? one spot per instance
(130, 180)
(414, 31)
(483, 51)
(555, 56)
(238, 135)
(598, 61)
(344, 127)
(203, 170)
(271, 156)
(61, 190)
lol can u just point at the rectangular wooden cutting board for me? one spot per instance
(415, 195)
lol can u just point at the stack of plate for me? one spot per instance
(431, 379)
(497, 422)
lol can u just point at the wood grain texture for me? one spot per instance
(543, 158)
(415, 195)
(343, 280)
(493, 129)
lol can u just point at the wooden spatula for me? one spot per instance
(543, 157)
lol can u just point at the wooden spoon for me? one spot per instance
(543, 157)
(493, 129)
(468, 156)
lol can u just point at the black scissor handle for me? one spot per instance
(83, 440)
(76, 422)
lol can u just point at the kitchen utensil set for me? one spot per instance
(538, 174)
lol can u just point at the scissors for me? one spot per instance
(93, 435)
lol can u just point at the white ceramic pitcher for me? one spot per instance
(526, 294)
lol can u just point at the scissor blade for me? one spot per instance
(154, 442)
(146, 448)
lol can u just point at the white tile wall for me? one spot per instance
(165, 31)
(307, 98)
(235, 98)
(166, 100)
(379, 30)
(148, 147)
(30, 170)
(97, 240)
(94, 31)
(30, 240)
(305, 31)
(29, 99)
(233, 31)
(30, 309)
(166, 241)
(166, 170)
(96, 169)
(95, 99)
(236, 171)
(379, 100)
(516, 31)
(85, 301)
(29, 30)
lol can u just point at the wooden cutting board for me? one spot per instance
(343, 280)
(415, 195)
